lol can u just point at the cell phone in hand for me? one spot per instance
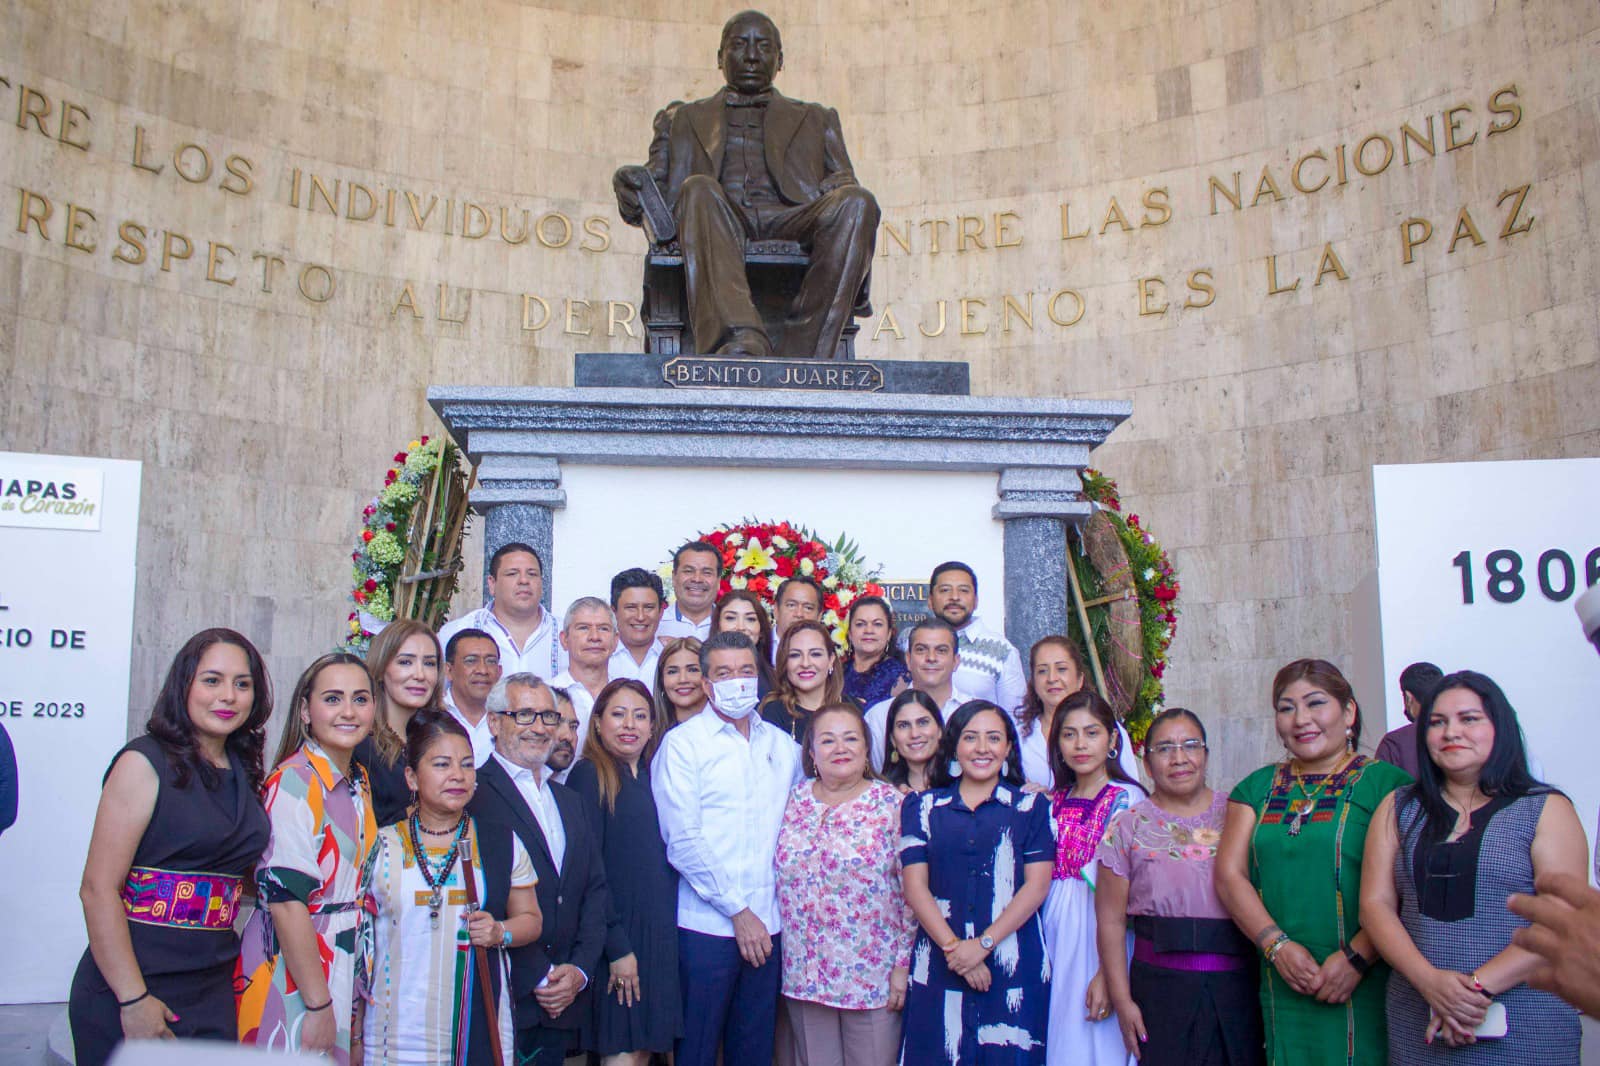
(1494, 1023)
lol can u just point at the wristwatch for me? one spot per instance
(505, 935)
(986, 942)
(1358, 962)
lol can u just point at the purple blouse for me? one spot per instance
(1167, 859)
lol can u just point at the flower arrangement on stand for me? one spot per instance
(407, 557)
(1155, 589)
(760, 555)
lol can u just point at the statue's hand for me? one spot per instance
(626, 183)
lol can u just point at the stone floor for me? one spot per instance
(24, 1029)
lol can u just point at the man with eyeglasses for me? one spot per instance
(472, 663)
(549, 977)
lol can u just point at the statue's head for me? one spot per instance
(751, 53)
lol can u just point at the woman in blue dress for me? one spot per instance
(977, 853)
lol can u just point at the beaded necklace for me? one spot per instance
(435, 880)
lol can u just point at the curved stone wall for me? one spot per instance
(239, 241)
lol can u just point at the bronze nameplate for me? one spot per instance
(733, 372)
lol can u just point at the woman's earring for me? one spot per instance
(1350, 740)
(894, 756)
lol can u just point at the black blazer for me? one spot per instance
(574, 902)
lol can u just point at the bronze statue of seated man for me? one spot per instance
(745, 164)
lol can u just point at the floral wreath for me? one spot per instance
(408, 554)
(1155, 582)
(760, 555)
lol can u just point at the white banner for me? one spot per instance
(68, 532)
(906, 521)
(1479, 565)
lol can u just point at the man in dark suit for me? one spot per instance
(751, 164)
(551, 976)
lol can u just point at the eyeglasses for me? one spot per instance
(1168, 748)
(474, 660)
(526, 716)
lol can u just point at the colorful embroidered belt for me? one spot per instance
(182, 900)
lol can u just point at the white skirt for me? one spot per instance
(1069, 936)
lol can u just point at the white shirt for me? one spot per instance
(720, 799)
(1036, 756)
(878, 721)
(542, 802)
(990, 668)
(675, 625)
(480, 735)
(622, 666)
(542, 656)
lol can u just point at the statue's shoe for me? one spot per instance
(747, 344)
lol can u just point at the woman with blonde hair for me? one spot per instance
(810, 677)
(404, 664)
(640, 1011)
(296, 977)
(679, 694)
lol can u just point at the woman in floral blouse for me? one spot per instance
(846, 928)
(1189, 995)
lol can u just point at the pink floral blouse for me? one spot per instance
(845, 919)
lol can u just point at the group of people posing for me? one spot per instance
(690, 828)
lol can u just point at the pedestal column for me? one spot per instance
(518, 496)
(1037, 504)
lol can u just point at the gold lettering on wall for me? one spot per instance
(1199, 284)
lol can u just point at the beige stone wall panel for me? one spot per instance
(264, 419)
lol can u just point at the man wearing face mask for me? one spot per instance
(721, 781)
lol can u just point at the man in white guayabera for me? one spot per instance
(721, 781)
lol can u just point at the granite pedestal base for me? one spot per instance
(523, 437)
(656, 371)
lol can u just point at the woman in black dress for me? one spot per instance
(178, 831)
(403, 663)
(640, 1011)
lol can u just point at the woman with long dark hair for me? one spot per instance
(1189, 994)
(1090, 790)
(404, 663)
(975, 856)
(420, 1004)
(1442, 857)
(296, 978)
(179, 828)
(874, 668)
(640, 1011)
(1289, 871)
(912, 733)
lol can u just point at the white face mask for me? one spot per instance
(734, 696)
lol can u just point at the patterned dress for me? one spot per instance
(845, 920)
(1452, 903)
(1069, 926)
(975, 861)
(321, 855)
(423, 982)
(1305, 861)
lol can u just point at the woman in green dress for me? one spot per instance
(1289, 871)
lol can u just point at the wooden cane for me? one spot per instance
(480, 955)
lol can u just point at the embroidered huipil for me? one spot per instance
(845, 920)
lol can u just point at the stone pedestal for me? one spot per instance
(524, 436)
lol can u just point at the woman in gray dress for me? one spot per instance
(1441, 858)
